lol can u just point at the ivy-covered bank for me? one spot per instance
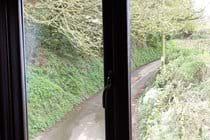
(60, 77)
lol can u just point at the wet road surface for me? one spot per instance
(87, 120)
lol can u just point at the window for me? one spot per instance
(161, 52)
(16, 72)
(64, 69)
(170, 63)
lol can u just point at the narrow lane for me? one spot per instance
(86, 122)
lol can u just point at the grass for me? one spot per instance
(57, 84)
(198, 43)
(60, 77)
(177, 105)
(141, 56)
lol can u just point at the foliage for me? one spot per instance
(200, 44)
(57, 83)
(63, 53)
(153, 40)
(162, 16)
(46, 102)
(200, 35)
(141, 56)
(80, 22)
(165, 17)
(177, 105)
(59, 78)
(189, 28)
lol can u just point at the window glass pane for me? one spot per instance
(64, 69)
(170, 62)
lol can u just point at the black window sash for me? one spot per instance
(13, 124)
(117, 61)
(13, 109)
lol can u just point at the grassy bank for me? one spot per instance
(57, 83)
(60, 77)
(141, 56)
(177, 105)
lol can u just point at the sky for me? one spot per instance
(203, 4)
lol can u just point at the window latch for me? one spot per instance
(107, 88)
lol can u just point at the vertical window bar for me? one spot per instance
(13, 104)
(116, 60)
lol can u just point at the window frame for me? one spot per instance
(13, 100)
(12, 81)
(117, 60)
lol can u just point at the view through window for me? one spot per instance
(64, 69)
(170, 42)
(170, 77)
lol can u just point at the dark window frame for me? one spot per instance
(13, 124)
(117, 60)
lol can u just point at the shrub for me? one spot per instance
(47, 102)
(153, 40)
(141, 56)
(178, 109)
(60, 76)
(57, 83)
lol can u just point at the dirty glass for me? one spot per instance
(64, 69)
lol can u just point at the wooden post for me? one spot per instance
(163, 58)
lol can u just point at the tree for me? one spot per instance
(80, 21)
(162, 16)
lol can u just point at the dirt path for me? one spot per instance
(86, 122)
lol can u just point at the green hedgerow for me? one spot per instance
(177, 105)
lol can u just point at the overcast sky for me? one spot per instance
(203, 4)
